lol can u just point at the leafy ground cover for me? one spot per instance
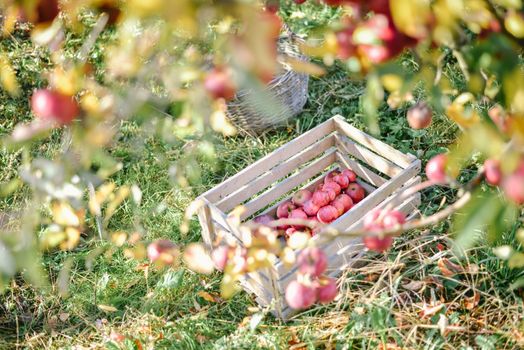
(417, 295)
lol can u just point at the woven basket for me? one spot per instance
(254, 112)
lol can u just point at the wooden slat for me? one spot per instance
(362, 171)
(286, 167)
(264, 164)
(288, 184)
(372, 143)
(372, 159)
(204, 224)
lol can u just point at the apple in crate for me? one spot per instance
(321, 198)
(356, 192)
(342, 180)
(329, 177)
(350, 174)
(298, 214)
(339, 206)
(345, 200)
(263, 219)
(310, 208)
(332, 185)
(301, 197)
(284, 209)
(327, 214)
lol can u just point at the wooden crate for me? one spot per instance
(302, 163)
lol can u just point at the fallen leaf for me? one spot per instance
(206, 296)
(471, 302)
(449, 268)
(443, 325)
(107, 308)
(414, 286)
(428, 310)
(63, 316)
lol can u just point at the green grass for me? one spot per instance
(162, 309)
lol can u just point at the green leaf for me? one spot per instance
(171, 279)
(517, 284)
(370, 101)
(478, 216)
(516, 260)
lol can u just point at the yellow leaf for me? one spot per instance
(72, 238)
(411, 16)
(119, 238)
(120, 195)
(305, 67)
(64, 214)
(107, 308)
(206, 296)
(197, 259)
(8, 77)
(464, 116)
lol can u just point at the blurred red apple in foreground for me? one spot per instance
(53, 106)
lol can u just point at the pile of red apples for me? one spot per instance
(337, 194)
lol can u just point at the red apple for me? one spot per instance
(219, 84)
(311, 208)
(393, 218)
(345, 200)
(263, 219)
(350, 174)
(327, 214)
(378, 244)
(220, 256)
(284, 209)
(356, 192)
(419, 116)
(300, 296)
(332, 185)
(54, 106)
(298, 214)
(436, 168)
(299, 2)
(345, 45)
(329, 177)
(492, 172)
(513, 186)
(326, 290)
(339, 206)
(290, 231)
(342, 180)
(301, 197)
(320, 198)
(371, 220)
(162, 250)
(331, 193)
(312, 261)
